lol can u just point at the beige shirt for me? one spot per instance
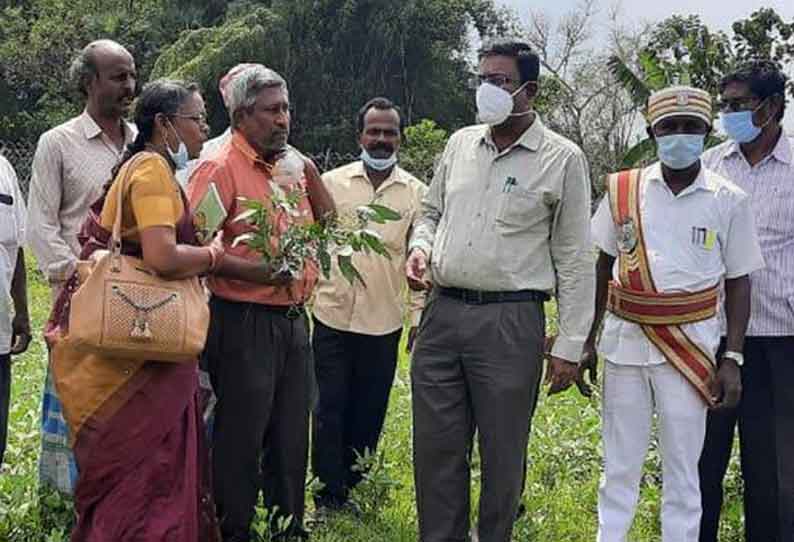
(72, 163)
(379, 307)
(514, 220)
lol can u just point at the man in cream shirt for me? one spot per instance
(357, 327)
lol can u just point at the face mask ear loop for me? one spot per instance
(513, 95)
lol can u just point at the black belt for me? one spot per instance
(477, 297)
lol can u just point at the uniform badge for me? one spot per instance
(627, 236)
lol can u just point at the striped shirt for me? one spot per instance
(71, 165)
(770, 185)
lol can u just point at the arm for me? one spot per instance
(742, 255)
(737, 311)
(19, 294)
(572, 257)
(174, 261)
(55, 258)
(420, 246)
(320, 199)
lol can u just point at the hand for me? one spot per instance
(21, 336)
(415, 269)
(560, 374)
(276, 278)
(726, 387)
(588, 364)
(409, 345)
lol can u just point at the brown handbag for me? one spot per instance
(124, 310)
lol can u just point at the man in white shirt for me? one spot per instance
(14, 321)
(759, 158)
(668, 235)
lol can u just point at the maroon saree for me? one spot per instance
(144, 467)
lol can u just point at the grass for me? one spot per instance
(562, 484)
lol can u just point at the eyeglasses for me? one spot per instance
(199, 118)
(739, 104)
(496, 79)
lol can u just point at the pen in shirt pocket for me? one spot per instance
(510, 182)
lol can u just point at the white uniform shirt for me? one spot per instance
(12, 232)
(694, 240)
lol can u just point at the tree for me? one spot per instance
(39, 38)
(576, 99)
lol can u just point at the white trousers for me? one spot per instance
(631, 396)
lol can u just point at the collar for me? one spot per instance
(530, 139)
(654, 173)
(91, 129)
(396, 176)
(782, 151)
(241, 144)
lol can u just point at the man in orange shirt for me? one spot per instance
(258, 353)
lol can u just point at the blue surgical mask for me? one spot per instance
(739, 125)
(180, 157)
(679, 151)
(378, 164)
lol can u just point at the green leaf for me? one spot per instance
(375, 244)
(640, 153)
(384, 212)
(325, 263)
(348, 270)
(245, 215)
(243, 238)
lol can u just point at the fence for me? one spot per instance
(20, 154)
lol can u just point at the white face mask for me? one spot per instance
(181, 156)
(378, 164)
(495, 104)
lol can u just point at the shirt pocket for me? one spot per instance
(522, 210)
(703, 253)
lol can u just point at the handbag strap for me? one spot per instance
(115, 236)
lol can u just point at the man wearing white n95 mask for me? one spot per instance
(505, 224)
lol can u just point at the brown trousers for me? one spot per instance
(474, 367)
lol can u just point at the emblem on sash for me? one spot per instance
(627, 236)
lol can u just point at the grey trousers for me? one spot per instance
(474, 366)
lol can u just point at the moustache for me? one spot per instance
(381, 147)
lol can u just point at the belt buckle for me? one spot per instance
(473, 297)
(294, 312)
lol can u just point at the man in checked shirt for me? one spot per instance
(759, 158)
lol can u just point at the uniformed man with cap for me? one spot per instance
(674, 239)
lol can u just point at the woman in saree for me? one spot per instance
(135, 426)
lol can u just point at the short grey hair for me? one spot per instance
(243, 89)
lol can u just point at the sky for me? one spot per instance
(716, 14)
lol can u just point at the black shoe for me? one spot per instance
(522, 510)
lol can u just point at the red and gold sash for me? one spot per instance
(636, 299)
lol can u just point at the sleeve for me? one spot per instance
(602, 227)
(572, 257)
(55, 258)
(741, 251)
(416, 300)
(152, 196)
(432, 207)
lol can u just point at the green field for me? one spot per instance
(564, 470)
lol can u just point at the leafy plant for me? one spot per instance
(286, 242)
(374, 492)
